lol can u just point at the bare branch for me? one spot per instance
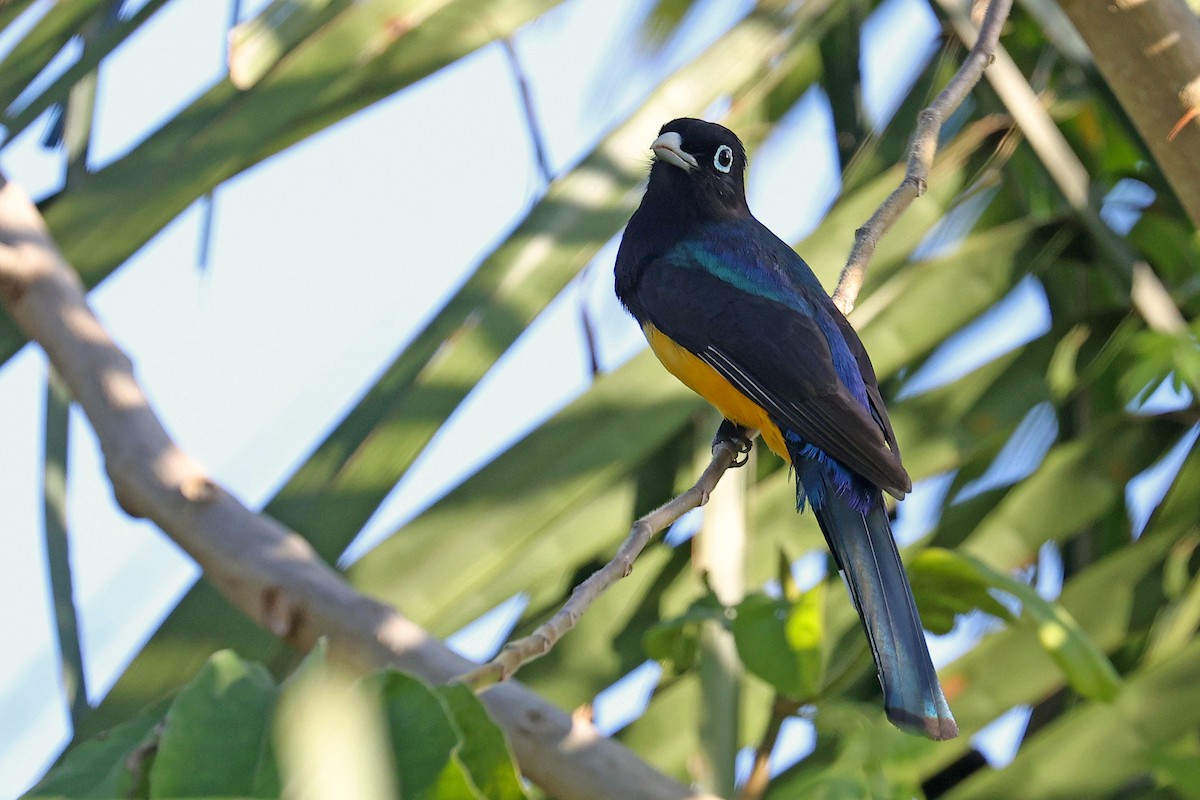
(268, 572)
(920, 155)
(538, 643)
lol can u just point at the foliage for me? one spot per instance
(1109, 667)
(438, 743)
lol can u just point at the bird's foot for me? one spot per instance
(741, 438)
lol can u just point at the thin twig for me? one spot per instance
(538, 643)
(760, 772)
(535, 130)
(920, 155)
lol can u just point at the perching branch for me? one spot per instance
(920, 155)
(538, 643)
(920, 159)
(268, 572)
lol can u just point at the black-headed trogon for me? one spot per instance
(735, 314)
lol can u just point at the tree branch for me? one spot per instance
(920, 155)
(266, 571)
(537, 644)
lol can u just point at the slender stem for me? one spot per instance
(535, 130)
(58, 552)
(920, 155)
(538, 643)
(719, 552)
(760, 772)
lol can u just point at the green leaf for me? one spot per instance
(423, 737)
(1077, 484)
(782, 642)
(330, 734)
(1101, 745)
(222, 719)
(100, 767)
(258, 44)
(1085, 666)
(484, 754)
(676, 641)
(1177, 768)
(946, 585)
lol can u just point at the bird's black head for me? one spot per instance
(701, 166)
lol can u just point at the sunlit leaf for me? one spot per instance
(221, 719)
(781, 642)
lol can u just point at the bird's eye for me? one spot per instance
(723, 159)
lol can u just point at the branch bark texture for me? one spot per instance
(266, 571)
(1149, 54)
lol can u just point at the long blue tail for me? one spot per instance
(867, 556)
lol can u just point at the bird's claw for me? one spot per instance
(739, 437)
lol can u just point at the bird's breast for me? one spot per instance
(712, 386)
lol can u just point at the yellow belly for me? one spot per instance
(709, 384)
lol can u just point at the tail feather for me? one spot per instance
(866, 553)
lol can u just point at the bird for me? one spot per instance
(734, 313)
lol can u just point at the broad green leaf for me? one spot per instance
(508, 529)
(781, 642)
(423, 737)
(676, 641)
(910, 314)
(222, 719)
(100, 767)
(330, 734)
(1086, 667)
(942, 429)
(946, 585)
(484, 753)
(1101, 745)
(1178, 768)
(1076, 484)
(258, 44)
(1178, 620)
(842, 81)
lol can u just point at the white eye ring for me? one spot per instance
(723, 158)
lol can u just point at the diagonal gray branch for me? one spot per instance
(266, 571)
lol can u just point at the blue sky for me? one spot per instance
(239, 360)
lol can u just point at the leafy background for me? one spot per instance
(997, 314)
